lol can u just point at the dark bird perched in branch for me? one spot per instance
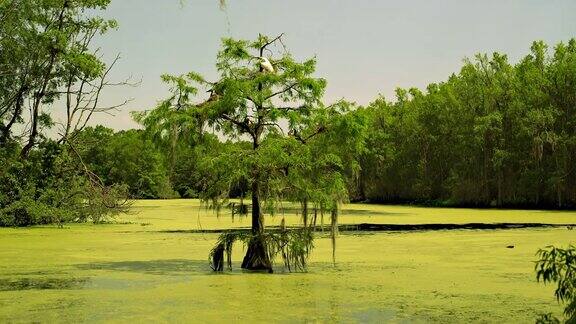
(214, 96)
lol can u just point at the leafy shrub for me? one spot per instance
(557, 265)
(51, 186)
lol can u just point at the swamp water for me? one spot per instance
(139, 271)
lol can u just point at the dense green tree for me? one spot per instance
(495, 134)
(53, 186)
(46, 63)
(46, 57)
(127, 158)
(175, 127)
(277, 130)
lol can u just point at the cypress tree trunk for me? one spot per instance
(315, 217)
(305, 212)
(334, 225)
(257, 257)
(322, 218)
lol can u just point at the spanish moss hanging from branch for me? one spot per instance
(292, 245)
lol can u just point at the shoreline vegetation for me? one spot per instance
(421, 203)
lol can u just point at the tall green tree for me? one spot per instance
(47, 62)
(269, 105)
(47, 58)
(125, 157)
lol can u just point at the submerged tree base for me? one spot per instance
(257, 257)
(294, 247)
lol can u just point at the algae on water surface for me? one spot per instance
(121, 272)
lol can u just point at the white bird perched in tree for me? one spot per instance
(266, 65)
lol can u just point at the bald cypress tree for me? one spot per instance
(270, 105)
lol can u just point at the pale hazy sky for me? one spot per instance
(364, 48)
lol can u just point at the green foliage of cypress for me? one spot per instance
(280, 142)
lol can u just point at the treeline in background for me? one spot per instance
(493, 135)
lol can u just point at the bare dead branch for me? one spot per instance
(304, 140)
(269, 43)
(242, 124)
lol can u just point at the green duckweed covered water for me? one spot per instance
(137, 272)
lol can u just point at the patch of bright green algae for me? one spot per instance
(131, 272)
